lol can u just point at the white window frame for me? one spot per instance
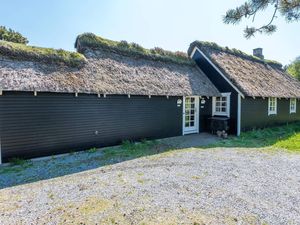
(227, 113)
(270, 111)
(293, 110)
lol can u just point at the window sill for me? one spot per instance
(272, 114)
(220, 114)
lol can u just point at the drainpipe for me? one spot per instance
(239, 116)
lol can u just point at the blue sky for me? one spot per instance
(170, 24)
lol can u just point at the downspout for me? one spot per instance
(239, 116)
(0, 153)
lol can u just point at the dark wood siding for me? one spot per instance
(255, 113)
(222, 85)
(55, 123)
(205, 113)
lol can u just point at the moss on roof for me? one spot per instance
(46, 55)
(92, 41)
(233, 51)
(252, 76)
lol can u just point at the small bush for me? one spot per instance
(124, 44)
(18, 161)
(137, 47)
(92, 150)
(12, 36)
(127, 145)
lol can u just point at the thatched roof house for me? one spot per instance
(102, 68)
(55, 101)
(253, 76)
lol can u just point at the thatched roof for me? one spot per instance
(105, 72)
(252, 76)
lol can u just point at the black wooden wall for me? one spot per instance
(255, 113)
(48, 124)
(222, 85)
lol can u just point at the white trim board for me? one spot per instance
(0, 152)
(217, 69)
(239, 115)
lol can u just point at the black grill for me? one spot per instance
(219, 124)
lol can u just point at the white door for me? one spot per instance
(190, 115)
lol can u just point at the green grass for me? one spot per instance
(130, 150)
(233, 51)
(46, 55)
(92, 41)
(18, 161)
(286, 137)
(17, 165)
(292, 143)
(92, 150)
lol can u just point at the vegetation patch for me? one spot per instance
(92, 41)
(236, 52)
(130, 150)
(285, 137)
(11, 35)
(46, 55)
(92, 150)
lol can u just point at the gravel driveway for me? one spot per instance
(189, 186)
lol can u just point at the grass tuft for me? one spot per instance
(46, 55)
(92, 41)
(92, 150)
(18, 161)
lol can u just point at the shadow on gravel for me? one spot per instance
(30, 171)
(27, 171)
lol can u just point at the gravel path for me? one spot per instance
(189, 186)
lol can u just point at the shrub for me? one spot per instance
(18, 161)
(12, 36)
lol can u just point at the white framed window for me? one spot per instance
(272, 108)
(221, 105)
(293, 105)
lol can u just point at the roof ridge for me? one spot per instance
(40, 54)
(233, 51)
(91, 41)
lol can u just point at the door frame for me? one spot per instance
(197, 116)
